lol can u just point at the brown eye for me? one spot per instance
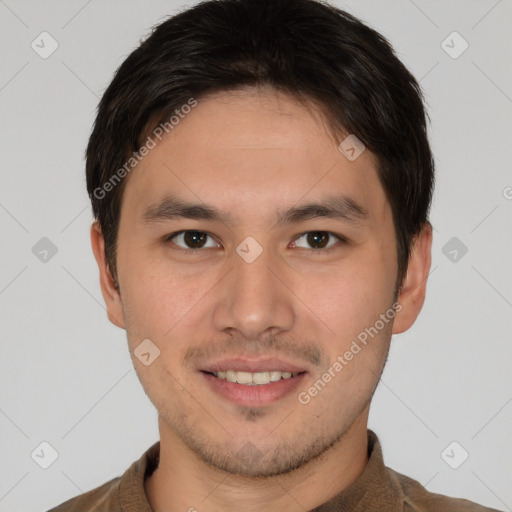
(192, 240)
(317, 240)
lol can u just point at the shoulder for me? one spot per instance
(100, 499)
(125, 492)
(417, 499)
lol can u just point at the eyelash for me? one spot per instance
(169, 238)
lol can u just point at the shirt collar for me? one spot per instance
(374, 491)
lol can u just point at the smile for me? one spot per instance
(254, 379)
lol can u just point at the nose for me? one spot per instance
(254, 299)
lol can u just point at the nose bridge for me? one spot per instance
(253, 278)
(254, 300)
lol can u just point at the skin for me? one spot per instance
(251, 153)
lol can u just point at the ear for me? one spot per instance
(414, 285)
(110, 294)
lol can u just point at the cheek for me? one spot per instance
(152, 298)
(351, 295)
(350, 303)
(166, 304)
(157, 307)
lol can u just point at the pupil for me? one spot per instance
(194, 237)
(317, 238)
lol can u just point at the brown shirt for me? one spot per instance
(378, 489)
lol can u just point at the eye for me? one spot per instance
(190, 240)
(317, 239)
(196, 240)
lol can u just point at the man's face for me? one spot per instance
(209, 300)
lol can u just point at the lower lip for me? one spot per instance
(253, 396)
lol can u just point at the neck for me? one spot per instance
(183, 482)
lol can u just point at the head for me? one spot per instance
(229, 223)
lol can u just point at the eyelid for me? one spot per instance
(168, 238)
(341, 238)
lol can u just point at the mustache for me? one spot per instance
(199, 355)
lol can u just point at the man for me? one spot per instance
(261, 178)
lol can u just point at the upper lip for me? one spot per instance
(240, 364)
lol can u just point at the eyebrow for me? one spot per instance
(334, 207)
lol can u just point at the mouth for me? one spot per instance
(254, 379)
(253, 383)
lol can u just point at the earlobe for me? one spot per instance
(414, 286)
(109, 291)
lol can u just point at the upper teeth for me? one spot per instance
(253, 378)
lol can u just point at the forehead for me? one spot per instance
(252, 150)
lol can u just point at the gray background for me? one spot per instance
(65, 373)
